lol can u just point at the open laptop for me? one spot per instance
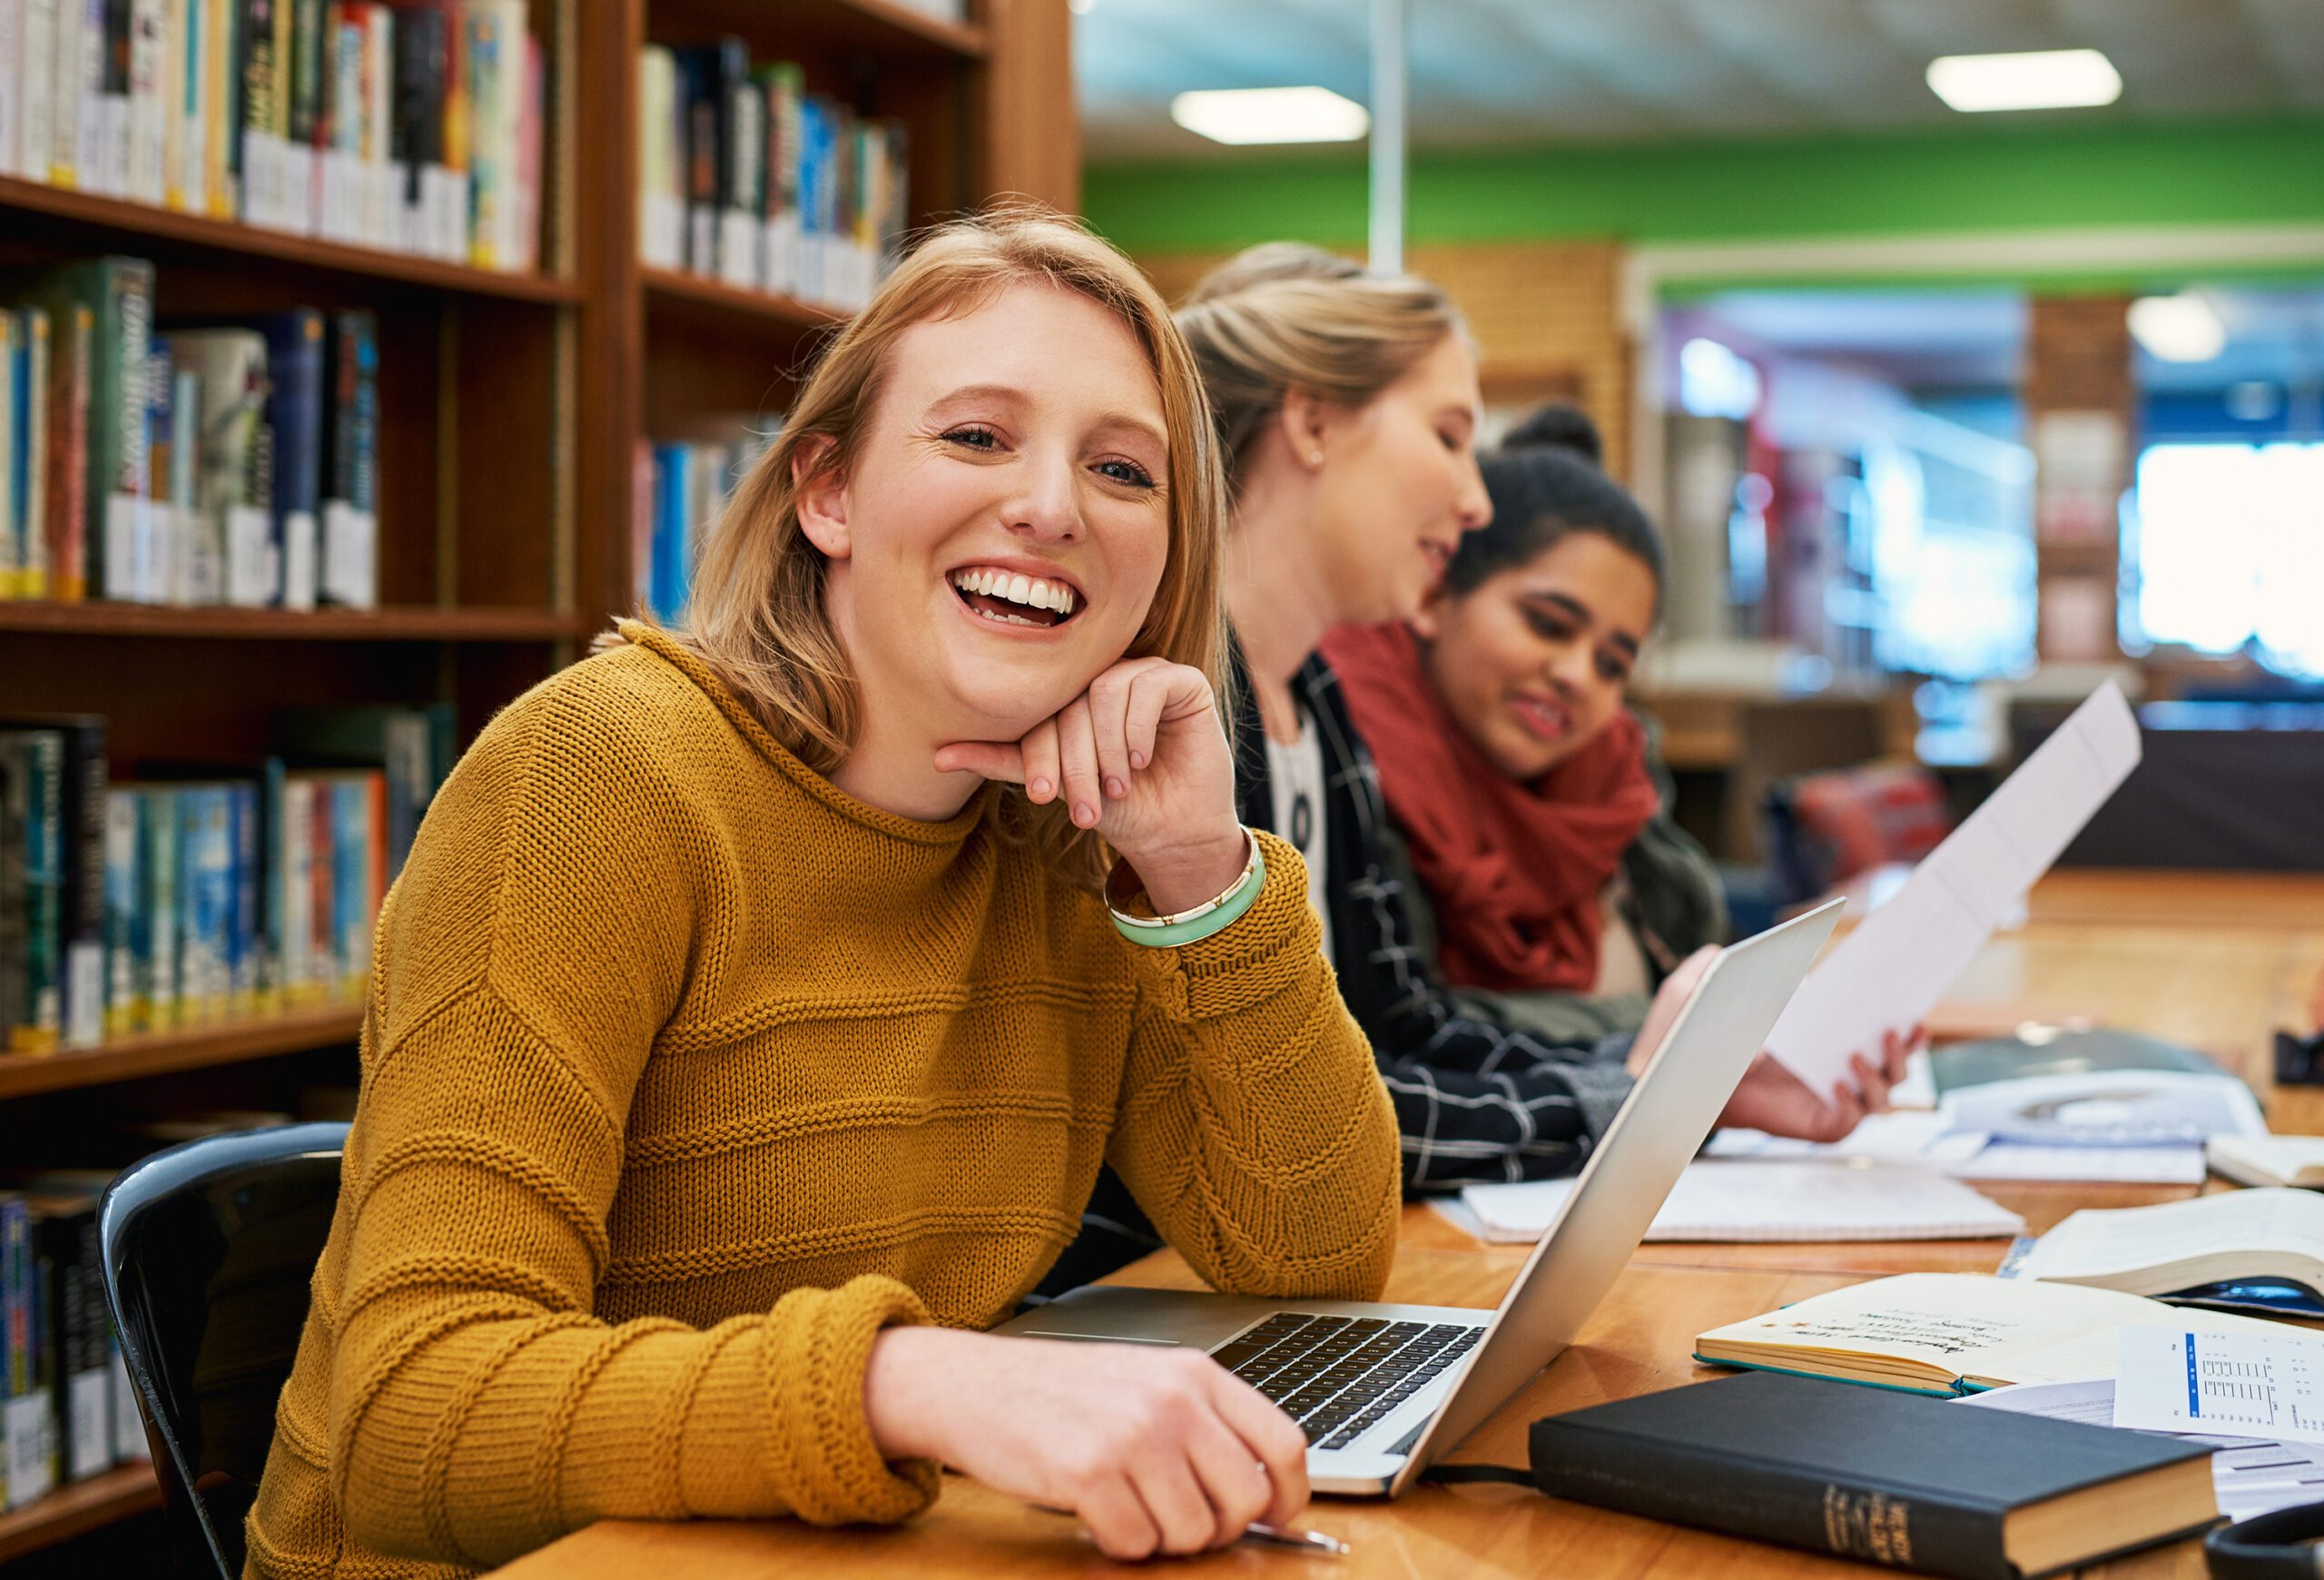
(1384, 1390)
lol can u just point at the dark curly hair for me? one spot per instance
(1546, 484)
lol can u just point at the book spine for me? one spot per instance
(294, 413)
(245, 941)
(163, 1004)
(303, 116)
(112, 103)
(81, 885)
(68, 18)
(255, 26)
(41, 1024)
(294, 892)
(221, 115)
(322, 917)
(159, 558)
(37, 107)
(24, 1419)
(378, 117)
(350, 877)
(80, 1382)
(15, 933)
(15, 370)
(64, 573)
(117, 465)
(170, 107)
(149, 101)
(12, 77)
(265, 879)
(33, 404)
(1900, 1527)
(122, 876)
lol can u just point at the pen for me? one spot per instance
(1291, 1537)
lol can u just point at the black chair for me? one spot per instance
(209, 1251)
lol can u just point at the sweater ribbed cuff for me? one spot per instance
(822, 1460)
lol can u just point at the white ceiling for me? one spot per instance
(1973, 339)
(1484, 71)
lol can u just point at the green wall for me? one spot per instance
(1973, 179)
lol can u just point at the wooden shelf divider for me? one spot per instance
(692, 292)
(77, 1507)
(414, 623)
(162, 1052)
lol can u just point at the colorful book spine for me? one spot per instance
(127, 937)
(24, 1419)
(34, 402)
(245, 942)
(36, 842)
(294, 415)
(63, 572)
(296, 974)
(205, 901)
(12, 454)
(36, 105)
(161, 1002)
(350, 572)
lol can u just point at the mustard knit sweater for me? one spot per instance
(684, 1073)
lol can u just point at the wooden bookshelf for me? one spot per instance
(511, 407)
(691, 294)
(133, 224)
(100, 618)
(166, 1052)
(80, 1507)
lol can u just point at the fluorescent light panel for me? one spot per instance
(2184, 328)
(2047, 79)
(1246, 116)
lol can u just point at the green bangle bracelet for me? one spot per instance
(1227, 910)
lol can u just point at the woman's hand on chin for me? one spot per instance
(1140, 757)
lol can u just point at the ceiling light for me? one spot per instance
(1270, 115)
(2184, 328)
(2046, 79)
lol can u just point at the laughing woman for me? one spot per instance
(743, 1039)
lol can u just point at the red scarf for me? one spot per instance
(1514, 869)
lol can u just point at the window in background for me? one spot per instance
(2228, 540)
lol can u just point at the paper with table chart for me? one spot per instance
(2250, 1476)
(1891, 970)
(1756, 1200)
(1921, 1139)
(2267, 1384)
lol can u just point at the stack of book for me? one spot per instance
(746, 178)
(218, 463)
(66, 1411)
(680, 490)
(413, 127)
(199, 893)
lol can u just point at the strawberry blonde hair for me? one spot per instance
(756, 615)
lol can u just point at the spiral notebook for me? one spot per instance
(1755, 1200)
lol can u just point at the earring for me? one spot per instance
(1314, 458)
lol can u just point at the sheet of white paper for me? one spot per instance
(2249, 1476)
(2266, 1384)
(2109, 1165)
(1772, 1200)
(1891, 970)
(1922, 1139)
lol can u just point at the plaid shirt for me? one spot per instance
(1479, 1099)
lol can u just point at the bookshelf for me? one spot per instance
(511, 407)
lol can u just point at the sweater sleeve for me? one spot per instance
(477, 1407)
(1253, 1128)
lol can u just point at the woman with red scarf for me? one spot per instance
(1547, 872)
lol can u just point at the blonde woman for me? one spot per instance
(743, 1041)
(1346, 406)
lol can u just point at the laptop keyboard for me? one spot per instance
(1337, 1376)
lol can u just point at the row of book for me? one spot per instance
(745, 177)
(66, 1409)
(679, 490)
(199, 893)
(201, 462)
(413, 127)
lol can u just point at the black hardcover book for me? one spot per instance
(81, 875)
(1886, 1477)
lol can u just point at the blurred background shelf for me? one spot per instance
(82, 1506)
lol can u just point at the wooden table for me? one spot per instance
(2217, 960)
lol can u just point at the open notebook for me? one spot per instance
(1952, 1333)
(1766, 1200)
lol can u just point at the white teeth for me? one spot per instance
(1035, 592)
